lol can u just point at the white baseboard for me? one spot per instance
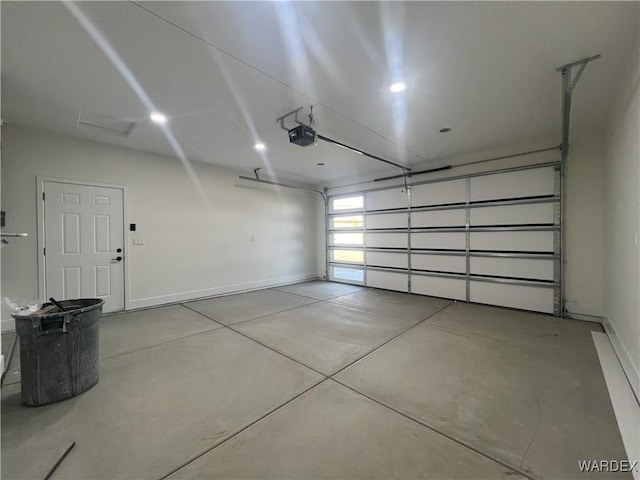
(584, 316)
(625, 405)
(630, 370)
(9, 325)
(216, 291)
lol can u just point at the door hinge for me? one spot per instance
(42, 196)
(44, 251)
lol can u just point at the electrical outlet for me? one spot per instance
(139, 241)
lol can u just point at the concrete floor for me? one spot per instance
(323, 380)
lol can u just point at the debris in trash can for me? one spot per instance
(21, 307)
(55, 467)
(57, 304)
(47, 309)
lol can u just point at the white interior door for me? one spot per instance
(84, 243)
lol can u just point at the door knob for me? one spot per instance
(117, 259)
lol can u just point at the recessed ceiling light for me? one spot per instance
(260, 146)
(444, 130)
(397, 87)
(158, 117)
(320, 164)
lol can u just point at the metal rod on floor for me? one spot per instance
(55, 467)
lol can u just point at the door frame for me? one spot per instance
(40, 181)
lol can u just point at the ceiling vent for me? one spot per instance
(105, 123)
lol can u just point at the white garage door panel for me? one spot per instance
(387, 220)
(438, 218)
(512, 241)
(384, 199)
(385, 259)
(388, 280)
(515, 296)
(513, 267)
(439, 287)
(513, 214)
(439, 193)
(446, 240)
(440, 263)
(523, 183)
(387, 240)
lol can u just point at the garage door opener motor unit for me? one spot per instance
(302, 135)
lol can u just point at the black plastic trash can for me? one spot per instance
(59, 352)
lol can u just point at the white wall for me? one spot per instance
(584, 203)
(622, 203)
(584, 226)
(194, 247)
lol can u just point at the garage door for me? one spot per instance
(489, 238)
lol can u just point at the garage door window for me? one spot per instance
(350, 275)
(347, 256)
(347, 221)
(355, 239)
(347, 203)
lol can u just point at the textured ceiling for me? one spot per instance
(224, 71)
